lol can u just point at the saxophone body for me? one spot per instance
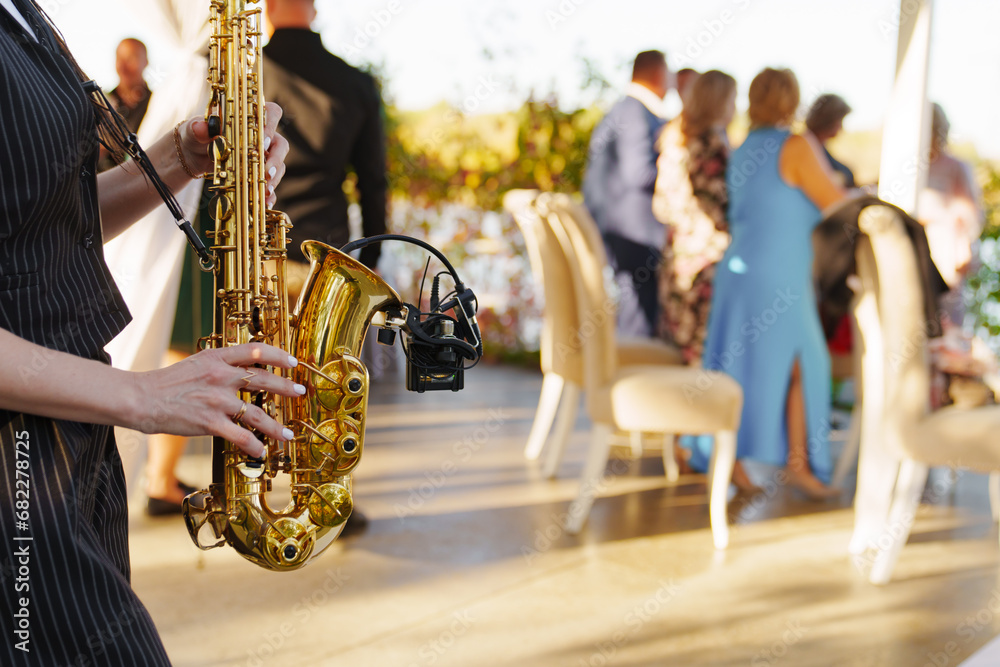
(325, 332)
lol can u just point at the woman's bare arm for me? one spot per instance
(125, 195)
(800, 167)
(197, 396)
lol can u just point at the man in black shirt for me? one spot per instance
(332, 118)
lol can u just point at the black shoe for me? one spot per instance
(188, 490)
(356, 524)
(160, 507)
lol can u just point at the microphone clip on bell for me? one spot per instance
(436, 344)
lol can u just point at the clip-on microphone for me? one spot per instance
(437, 346)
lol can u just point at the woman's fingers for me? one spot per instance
(272, 115)
(257, 419)
(240, 434)
(255, 379)
(195, 139)
(276, 148)
(242, 438)
(199, 130)
(249, 354)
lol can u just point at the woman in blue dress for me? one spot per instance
(764, 329)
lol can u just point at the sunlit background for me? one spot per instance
(485, 97)
(434, 50)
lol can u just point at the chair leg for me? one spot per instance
(565, 421)
(995, 495)
(849, 455)
(635, 441)
(906, 500)
(720, 472)
(669, 461)
(878, 466)
(590, 481)
(548, 402)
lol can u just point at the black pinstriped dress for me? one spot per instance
(64, 562)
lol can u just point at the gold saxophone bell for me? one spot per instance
(338, 303)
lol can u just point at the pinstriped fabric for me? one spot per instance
(56, 290)
(81, 608)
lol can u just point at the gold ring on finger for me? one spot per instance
(246, 378)
(239, 415)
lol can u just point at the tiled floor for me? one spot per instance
(465, 563)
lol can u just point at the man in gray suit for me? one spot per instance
(618, 192)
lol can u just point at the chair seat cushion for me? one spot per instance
(668, 399)
(635, 351)
(957, 437)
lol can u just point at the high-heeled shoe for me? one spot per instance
(813, 489)
(744, 485)
(161, 507)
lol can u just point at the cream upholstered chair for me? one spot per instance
(909, 432)
(638, 398)
(562, 355)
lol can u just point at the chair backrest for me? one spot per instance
(583, 248)
(887, 262)
(551, 270)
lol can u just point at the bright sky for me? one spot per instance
(487, 55)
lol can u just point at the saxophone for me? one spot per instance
(325, 332)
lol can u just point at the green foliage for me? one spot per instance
(985, 283)
(475, 163)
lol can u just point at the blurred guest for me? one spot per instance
(332, 119)
(824, 121)
(949, 208)
(618, 192)
(130, 97)
(763, 329)
(685, 83)
(691, 200)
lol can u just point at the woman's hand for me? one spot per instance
(276, 148)
(195, 142)
(198, 396)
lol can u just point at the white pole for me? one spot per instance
(902, 174)
(906, 133)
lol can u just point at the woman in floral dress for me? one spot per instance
(691, 200)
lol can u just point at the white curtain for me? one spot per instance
(146, 260)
